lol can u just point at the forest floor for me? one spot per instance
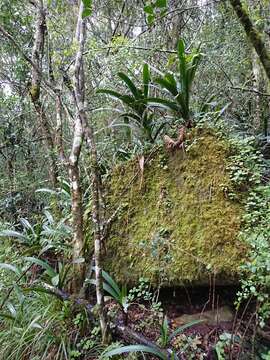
(223, 333)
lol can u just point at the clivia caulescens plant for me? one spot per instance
(178, 86)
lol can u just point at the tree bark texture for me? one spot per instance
(96, 183)
(253, 35)
(36, 78)
(74, 171)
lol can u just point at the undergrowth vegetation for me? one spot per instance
(135, 214)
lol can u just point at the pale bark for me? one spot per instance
(87, 131)
(258, 85)
(74, 171)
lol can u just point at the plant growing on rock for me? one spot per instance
(179, 85)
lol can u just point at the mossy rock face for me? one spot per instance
(176, 224)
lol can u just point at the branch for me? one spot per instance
(252, 90)
(24, 55)
(118, 22)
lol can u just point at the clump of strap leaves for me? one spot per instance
(140, 104)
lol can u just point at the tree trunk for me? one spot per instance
(36, 77)
(87, 131)
(74, 171)
(253, 35)
(97, 220)
(259, 99)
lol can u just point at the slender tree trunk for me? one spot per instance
(87, 131)
(36, 74)
(258, 85)
(74, 171)
(97, 220)
(253, 35)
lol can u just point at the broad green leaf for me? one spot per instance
(19, 293)
(161, 3)
(148, 9)
(165, 83)
(114, 94)
(130, 84)
(167, 104)
(150, 19)
(34, 324)
(26, 224)
(86, 12)
(15, 234)
(184, 327)
(50, 271)
(87, 3)
(87, 8)
(111, 282)
(112, 292)
(49, 217)
(135, 348)
(108, 289)
(11, 267)
(11, 309)
(146, 79)
(132, 116)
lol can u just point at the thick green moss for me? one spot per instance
(176, 223)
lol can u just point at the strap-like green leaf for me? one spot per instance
(11, 267)
(135, 348)
(126, 99)
(130, 84)
(167, 104)
(111, 282)
(146, 80)
(15, 234)
(184, 327)
(50, 271)
(168, 85)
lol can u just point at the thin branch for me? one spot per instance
(252, 90)
(117, 24)
(25, 56)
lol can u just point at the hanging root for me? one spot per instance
(171, 144)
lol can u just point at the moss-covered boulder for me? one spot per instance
(176, 223)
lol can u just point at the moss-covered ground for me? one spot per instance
(176, 223)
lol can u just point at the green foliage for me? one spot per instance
(256, 232)
(179, 86)
(43, 236)
(189, 346)
(166, 338)
(140, 114)
(87, 8)
(34, 329)
(153, 9)
(245, 165)
(57, 279)
(111, 287)
(137, 348)
(225, 340)
(119, 295)
(141, 292)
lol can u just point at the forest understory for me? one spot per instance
(134, 179)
